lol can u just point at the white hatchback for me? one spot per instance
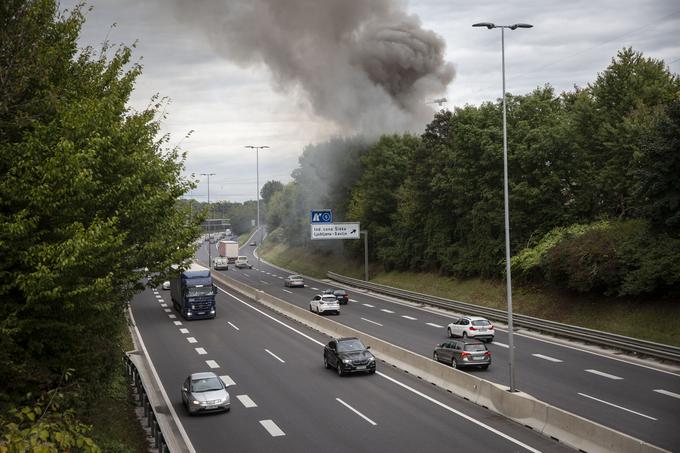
(323, 303)
(472, 327)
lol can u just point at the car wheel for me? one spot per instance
(310, 307)
(490, 340)
(449, 332)
(325, 362)
(340, 372)
(454, 364)
(435, 357)
(465, 334)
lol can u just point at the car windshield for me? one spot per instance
(475, 347)
(350, 345)
(480, 322)
(199, 291)
(295, 277)
(206, 385)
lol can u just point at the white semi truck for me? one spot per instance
(228, 250)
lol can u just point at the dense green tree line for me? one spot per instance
(85, 186)
(606, 152)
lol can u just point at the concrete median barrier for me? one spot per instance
(563, 426)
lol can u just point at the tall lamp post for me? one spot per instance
(209, 225)
(511, 342)
(257, 170)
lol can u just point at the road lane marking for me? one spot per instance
(502, 345)
(409, 317)
(183, 330)
(289, 292)
(178, 323)
(264, 282)
(434, 325)
(164, 305)
(246, 275)
(275, 356)
(233, 325)
(356, 411)
(386, 310)
(607, 375)
(666, 392)
(548, 358)
(192, 340)
(372, 322)
(228, 381)
(618, 407)
(172, 316)
(201, 351)
(271, 428)
(167, 310)
(279, 277)
(158, 296)
(352, 300)
(212, 364)
(315, 289)
(246, 401)
(368, 305)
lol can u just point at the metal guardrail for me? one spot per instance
(143, 400)
(648, 348)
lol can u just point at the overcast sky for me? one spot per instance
(240, 73)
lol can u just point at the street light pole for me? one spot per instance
(508, 278)
(257, 170)
(209, 225)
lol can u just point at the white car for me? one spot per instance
(472, 327)
(221, 263)
(166, 284)
(242, 263)
(324, 303)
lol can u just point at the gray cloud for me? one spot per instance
(366, 65)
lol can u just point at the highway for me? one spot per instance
(283, 399)
(638, 400)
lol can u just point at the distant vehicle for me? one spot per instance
(166, 284)
(463, 352)
(205, 392)
(220, 264)
(348, 355)
(242, 263)
(471, 327)
(294, 281)
(193, 293)
(228, 250)
(340, 294)
(253, 243)
(324, 303)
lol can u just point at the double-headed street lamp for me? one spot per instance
(209, 224)
(511, 343)
(257, 170)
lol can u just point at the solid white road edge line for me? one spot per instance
(177, 420)
(233, 325)
(429, 398)
(548, 358)
(667, 393)
(356, 411)
(372, 322)
(603, 374)
(246, 401)
(271, 428)
(618, 407)
(275, 356)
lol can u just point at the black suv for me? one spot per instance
(339, 294)
(348, 355)
(463, 352)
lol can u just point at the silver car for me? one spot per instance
(294, 280)
(205, 392)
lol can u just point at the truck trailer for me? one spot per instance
(228, 250)
(193, 293)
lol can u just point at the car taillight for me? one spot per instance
(464, 354)
(490, 326)
(487, 353)
(473, 328)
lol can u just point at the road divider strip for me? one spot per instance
(559, 424)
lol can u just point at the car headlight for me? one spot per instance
(346, 361)
(371, 359)
(196, 402)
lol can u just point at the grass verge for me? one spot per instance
(645, 319)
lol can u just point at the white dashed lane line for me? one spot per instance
(618, 407)
(356, 411)
(603, 374)
(372, 322)
(275, 356)
(201, 351)
(158, 296)
(409, 317)
(164, 305)
(183, 330)
(228, 381)
(212, 364)
(434, 325)
(271, 428)
(502, 345)
(548, 358)
(386, 310)
(667, 393)
(262, 281)
(233, 325)
(192, 340)
(315, 289)
(172, 316)
(368, 305)
(178, 323)
(167, 310)
(352, 300)
(289, 292)
(246, 401)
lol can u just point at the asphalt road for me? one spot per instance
(283, 399)
(638, 400)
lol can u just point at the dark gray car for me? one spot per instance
(463, 352)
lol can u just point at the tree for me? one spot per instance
(269, 189)
(87, 190)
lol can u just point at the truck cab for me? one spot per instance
(193, 293)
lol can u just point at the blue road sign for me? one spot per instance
(322, 216)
